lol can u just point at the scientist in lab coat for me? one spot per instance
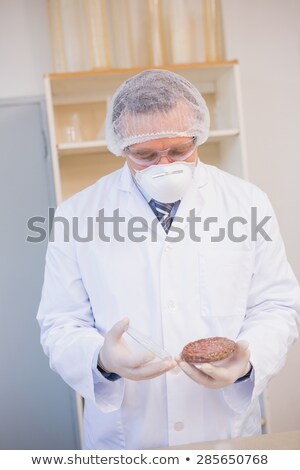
(178, 250)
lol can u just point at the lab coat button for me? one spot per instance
(178, 426)
(169, 247)
(172, 305)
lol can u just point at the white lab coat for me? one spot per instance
(174, 293)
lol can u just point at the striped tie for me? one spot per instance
(162, 212)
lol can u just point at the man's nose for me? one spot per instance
(164, 158)
(163, 161)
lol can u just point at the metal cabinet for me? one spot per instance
(37, 410)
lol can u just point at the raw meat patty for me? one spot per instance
(208, 350)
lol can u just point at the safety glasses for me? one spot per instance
(147, 157)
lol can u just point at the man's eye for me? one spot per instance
(147, 156)
(178, 152)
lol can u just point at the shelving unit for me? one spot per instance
(77, 164)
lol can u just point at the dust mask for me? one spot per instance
(166, 183)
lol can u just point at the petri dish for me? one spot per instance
(148, 343)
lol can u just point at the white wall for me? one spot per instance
(24, 47)
(265, 36)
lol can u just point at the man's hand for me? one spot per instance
(115, 356)
(214, 376)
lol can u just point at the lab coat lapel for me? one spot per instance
(137, 206)
(195, 199)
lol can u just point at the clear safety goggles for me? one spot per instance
(147, 157)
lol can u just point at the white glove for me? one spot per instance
(214, 376)
(115, 356)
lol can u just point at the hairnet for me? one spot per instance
(152, 105)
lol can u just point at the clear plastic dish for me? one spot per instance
(147, 343)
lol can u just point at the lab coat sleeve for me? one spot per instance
(272, 315)
(68, 334)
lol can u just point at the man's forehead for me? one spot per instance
(164, 142)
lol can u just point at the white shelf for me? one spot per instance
(86, 146)
(97, 85)
(99, 146)
(222, 134)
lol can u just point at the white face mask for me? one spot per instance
(166, 183)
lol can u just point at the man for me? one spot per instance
(180, 251)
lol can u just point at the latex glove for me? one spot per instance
(115, 356)
(219, 376)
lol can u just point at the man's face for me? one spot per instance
(160, 144)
